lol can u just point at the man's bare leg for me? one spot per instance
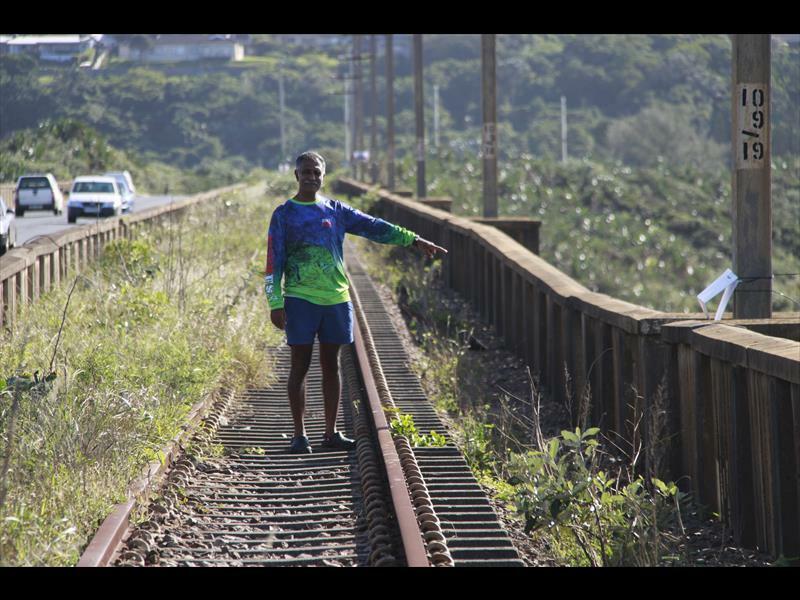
(301, 359)
(331, 384)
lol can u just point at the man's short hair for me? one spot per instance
(310, 156)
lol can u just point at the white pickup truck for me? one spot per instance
(38, 192)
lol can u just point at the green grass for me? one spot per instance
(156, 325)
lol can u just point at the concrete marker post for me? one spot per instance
(751, 181)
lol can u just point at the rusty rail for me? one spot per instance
(416, 555)
(398, 463)
(104, 543)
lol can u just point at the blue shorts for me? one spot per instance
(305, 320)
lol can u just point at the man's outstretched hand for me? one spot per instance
(278, 317)
(427, 247)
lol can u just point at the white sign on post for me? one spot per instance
(752, 131)
(727, 282)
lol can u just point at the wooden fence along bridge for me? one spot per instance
(732, 388)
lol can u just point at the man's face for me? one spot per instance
(309, 175)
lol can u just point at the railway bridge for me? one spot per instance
(728, 391)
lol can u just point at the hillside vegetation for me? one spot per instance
(630, 97)
(654, 236)
(69, 148)
(641, 211)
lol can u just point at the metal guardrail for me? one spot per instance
(28, 271)
(732, 395)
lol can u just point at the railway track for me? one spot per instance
(248, 502)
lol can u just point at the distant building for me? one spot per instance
(184, 47)
(54, 48)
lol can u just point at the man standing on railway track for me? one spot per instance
(305, 249)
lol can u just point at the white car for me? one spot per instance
(8, 228)
(126, 175)
(94, 196)
(126, 187)
(127, 195)
(38, 192)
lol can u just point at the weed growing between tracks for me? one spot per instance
(579, 499)
(154, 326)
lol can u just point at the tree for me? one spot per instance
(664, 132)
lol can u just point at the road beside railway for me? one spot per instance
(36, 224)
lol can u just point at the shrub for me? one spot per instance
(593, 517)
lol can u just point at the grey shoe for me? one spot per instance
(300, 445)
(338, 442)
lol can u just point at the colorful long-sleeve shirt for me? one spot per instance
(304, 247)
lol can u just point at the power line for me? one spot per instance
(773, 291)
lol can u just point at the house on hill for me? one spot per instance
(53, 48)
(183, 47)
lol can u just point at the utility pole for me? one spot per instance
(563, 129)
(389, 57)
(373, 143)
(751, 193)
(359, 104)
(350, 114)
(348, 142)
(436, 116)
(489, 149)
(419, 110)
(282, 102)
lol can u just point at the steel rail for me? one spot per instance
(425, 515)
(416, 555)
(115, 526)
(443, 488)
